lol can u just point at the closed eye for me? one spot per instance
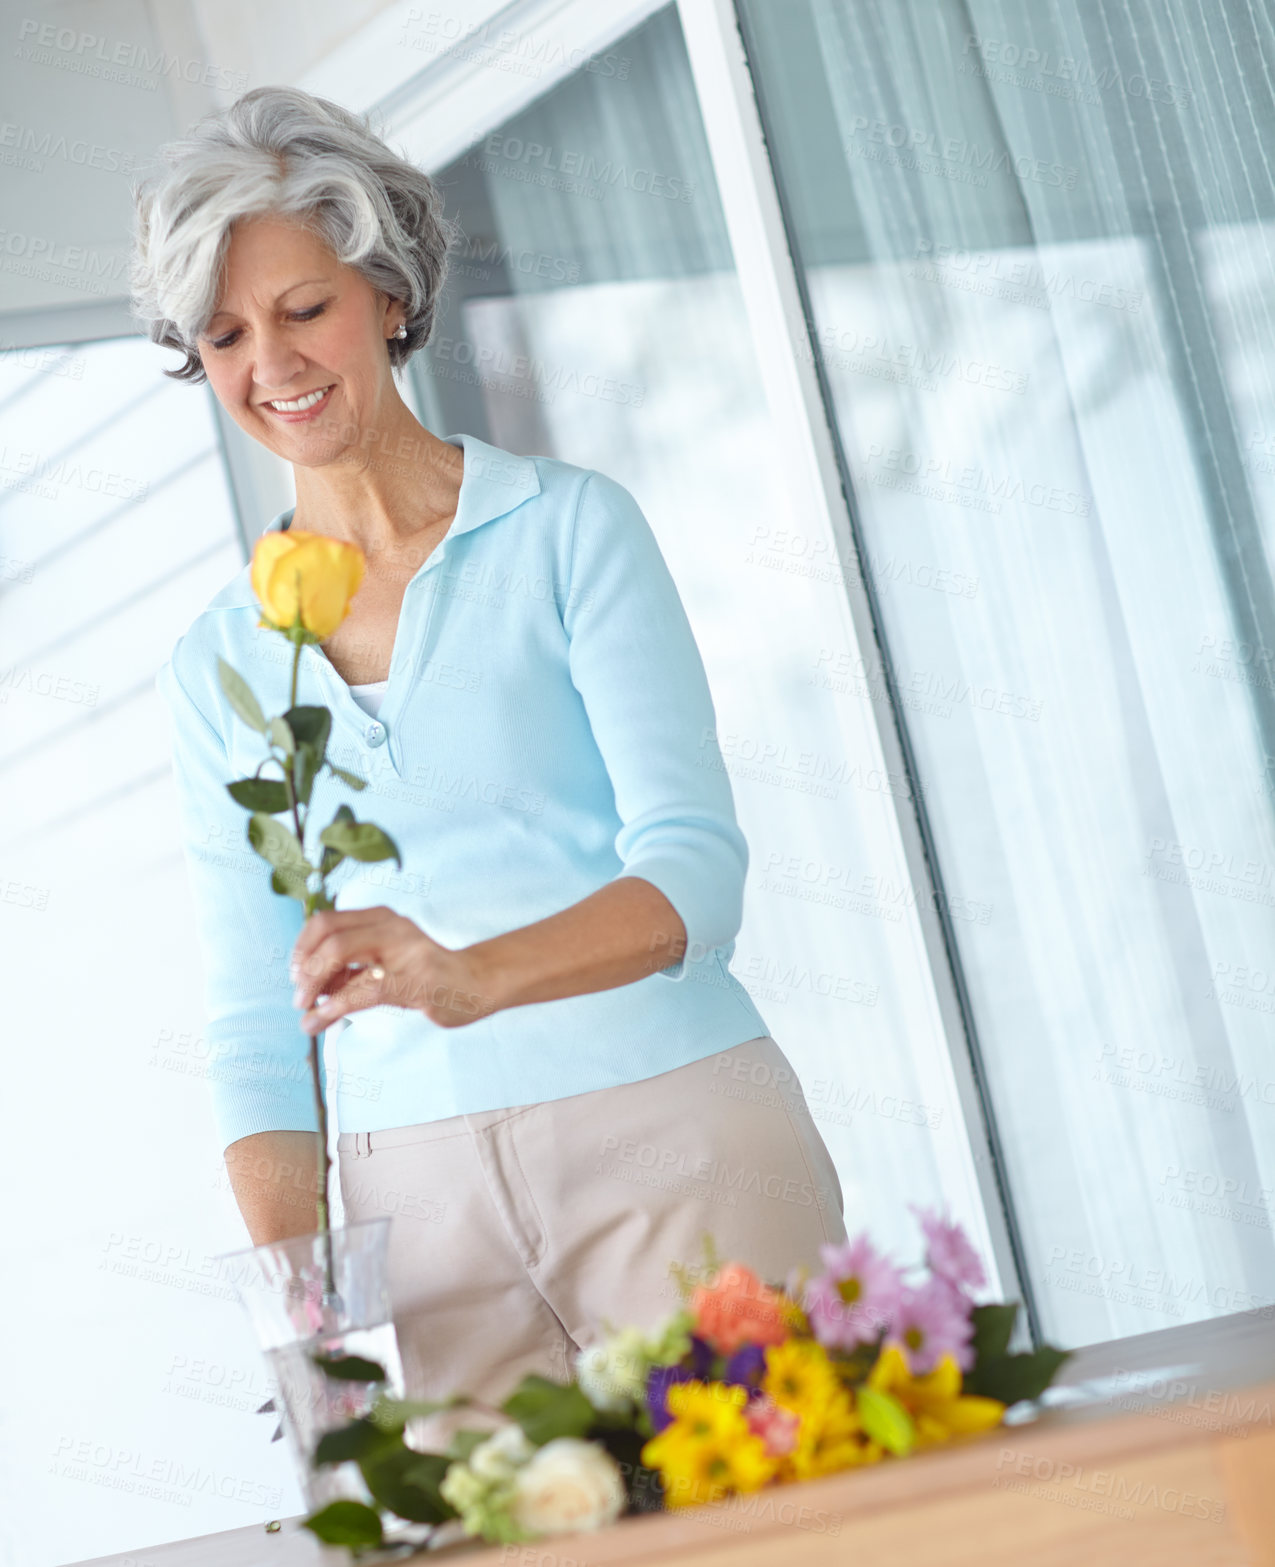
(294, 315)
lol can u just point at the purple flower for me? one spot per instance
(697, 1366)
(931, 1322)
(746, 1367)
(658, 1381)
(701, 1358)
(948, 1253)
(855, 1297)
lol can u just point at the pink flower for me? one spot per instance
(737, 1308)
(855, 1297)
(931, 1322)
(948, 1253)
(777, 1427)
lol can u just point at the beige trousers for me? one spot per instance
(519, 1234)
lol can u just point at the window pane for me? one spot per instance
(1036, 241)
(115, 531)
(594, 315)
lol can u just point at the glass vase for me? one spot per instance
(324, 1293)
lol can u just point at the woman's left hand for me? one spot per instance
(340, 953)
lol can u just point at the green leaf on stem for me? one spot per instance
(345, 1523)
(407, 1483)
(310, 726)
(331, 858)
(305, 769)
(350, 1368)
(347, 777)
(273, 842)
(281, 735)
(1012, 1378)
(886, 1421)
(260, 794)
(280, 849)
(546, 1409)
(239, 695)
(361, 841)
(355, 1441)
(392, 1414)
(993, 1329)
(289, 884)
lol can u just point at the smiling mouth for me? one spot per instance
(298, 405)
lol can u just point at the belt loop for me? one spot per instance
(369, 1142)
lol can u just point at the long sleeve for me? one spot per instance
(634, 660)
(258, 1053)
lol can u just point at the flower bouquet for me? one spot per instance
(746, 1385)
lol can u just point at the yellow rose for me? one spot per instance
(306, 573)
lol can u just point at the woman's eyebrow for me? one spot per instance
(277, 297)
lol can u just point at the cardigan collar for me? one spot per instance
(492, 484)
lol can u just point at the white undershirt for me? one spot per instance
(369, 696)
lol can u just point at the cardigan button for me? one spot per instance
(374, 734)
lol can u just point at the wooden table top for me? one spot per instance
(1163, 1399)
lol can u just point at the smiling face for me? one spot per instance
(292, 321)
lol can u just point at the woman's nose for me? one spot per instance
(277, 362)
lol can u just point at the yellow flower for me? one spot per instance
(830, 1439)
(707, 1449)
(307, 574)
(799, 1373)
(935, 1401)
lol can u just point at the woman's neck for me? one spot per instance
(387, 487)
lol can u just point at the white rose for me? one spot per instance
(569, 1486)
(500, 1455)
(612, 1375)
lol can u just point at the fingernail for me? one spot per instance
(297, 996)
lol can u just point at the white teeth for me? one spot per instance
(301, 402)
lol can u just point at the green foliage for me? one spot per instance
(360, 1439)
(350, 1368)
(310, 726)
(281, 735)
(346, 1523)
(305, 769)
(347, 777)
(407, 1482)
(546, 1409)
(361, 841)
(260, 794)
(239, 695)
(643, 1487)
(886, 1421)
(997, 1373)
(392, 1414)
(993, 1329)
(1012, 1378)
(280, 849)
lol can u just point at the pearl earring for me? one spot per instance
(400, 330)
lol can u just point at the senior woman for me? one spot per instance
(547, 1071)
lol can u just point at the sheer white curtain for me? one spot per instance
(1036, 240)
(594, 315)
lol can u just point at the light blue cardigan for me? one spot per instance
(547, 727)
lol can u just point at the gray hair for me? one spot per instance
(287, 153)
